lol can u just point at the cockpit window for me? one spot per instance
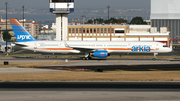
(165, 46)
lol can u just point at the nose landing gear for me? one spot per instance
(155, 54)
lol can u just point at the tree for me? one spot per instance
(90, 21)
(8, 36)
(120, 20)
(111, 20)
(138, 21)
(100, 20)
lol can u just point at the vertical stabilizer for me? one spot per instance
(22, 35)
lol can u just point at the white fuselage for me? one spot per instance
(110, 46)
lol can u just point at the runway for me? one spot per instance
(91, 86)
(162, 67)
(94, 61)
(89, 91)
(93, 91)
(105, 64)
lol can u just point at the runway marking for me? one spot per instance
(119, 62)
(155, 70)
(120, 70)
(132, 65)
(55, 62)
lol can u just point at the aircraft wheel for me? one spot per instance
(88, 58)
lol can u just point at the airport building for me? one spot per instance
(117, 33)
(166, 13)
(3, 26)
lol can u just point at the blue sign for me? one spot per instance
(141, 49)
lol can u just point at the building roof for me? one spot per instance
(99, 25)
(139, 26)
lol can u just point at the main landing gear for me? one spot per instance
(155, 54)
(87, 56)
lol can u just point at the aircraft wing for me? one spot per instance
(84, 49)
(81, 49)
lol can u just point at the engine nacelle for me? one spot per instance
(101, 54)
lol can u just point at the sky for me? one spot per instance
(44, 4)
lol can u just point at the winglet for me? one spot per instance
(22, 35)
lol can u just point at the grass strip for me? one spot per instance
(94, 76)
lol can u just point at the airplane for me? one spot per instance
(99, 49)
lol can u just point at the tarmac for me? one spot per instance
(79, 62)
(88, 96)
(90, 91)
(26, 70)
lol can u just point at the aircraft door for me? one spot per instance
(35, 46)
(157, 46)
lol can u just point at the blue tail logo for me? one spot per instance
(22, 35)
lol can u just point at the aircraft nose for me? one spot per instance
(170, 49)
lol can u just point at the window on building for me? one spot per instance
(84, 30)
(94, 30)
(87, 30)
(76, 30)
(112, 30)
(119, 31)
(80, 30)
(101, 30)
(73, 30)
(105, 30)
(98, 30)
(108, 30)
(91, 30)
(69, 30)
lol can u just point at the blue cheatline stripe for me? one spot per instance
(22, 33)
(15, 24)
(17, 27)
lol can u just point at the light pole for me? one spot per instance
(68, 7)
(108, 11)
(6, 28)
(23, 14)
(48, 26)
(83, 18)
